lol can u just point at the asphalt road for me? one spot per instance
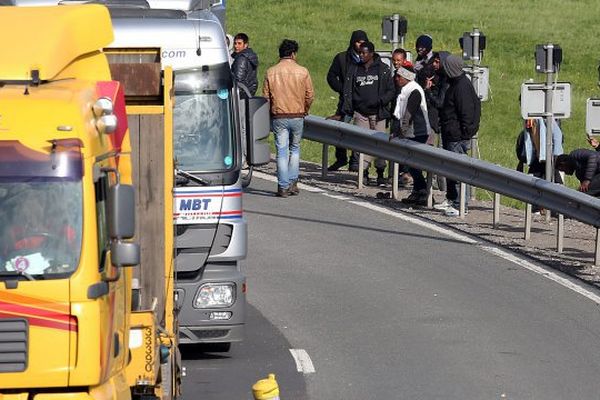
(387, 309)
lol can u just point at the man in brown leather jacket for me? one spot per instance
(289, 89)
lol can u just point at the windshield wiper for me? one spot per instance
(16, 274)
(191, 177)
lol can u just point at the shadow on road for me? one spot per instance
(364, 228)
(212, 376)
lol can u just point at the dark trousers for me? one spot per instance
(594, 189)
(340, 152)
(419, 181)
(453, 187)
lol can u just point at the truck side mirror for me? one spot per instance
(121, 212)
(124, 254)
(257, 130)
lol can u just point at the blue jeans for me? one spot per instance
(453, 187)
(288, 132)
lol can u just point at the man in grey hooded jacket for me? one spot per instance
(459, 120)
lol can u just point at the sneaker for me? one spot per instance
(443, 205)
(293, 190)
(451, 212)
(336, 165)
(381, 181)
(282, 192)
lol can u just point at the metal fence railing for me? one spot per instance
(467, 170)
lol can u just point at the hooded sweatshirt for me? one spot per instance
(435, 95)
(245, 64)
(461, 112)
(342, 70)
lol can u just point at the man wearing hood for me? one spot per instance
(459, 121)
(342, 69)
(245, 63)
(435, 84)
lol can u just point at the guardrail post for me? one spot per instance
(597, 252)
(324, 160)
(429, 191)
(496, 210)
(560, 230)
(395, 170)
(527, 222)
(361, 160)
(463, 198)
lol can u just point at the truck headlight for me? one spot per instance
(215, 295)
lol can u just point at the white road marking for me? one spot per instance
(541, 271)
(336, 196)
(303, 362)
(416, 221)
(556, 277)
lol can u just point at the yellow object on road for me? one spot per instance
(266, 389)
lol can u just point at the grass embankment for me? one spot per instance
(513, 28)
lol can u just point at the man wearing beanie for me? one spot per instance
(459, 120)
(339, 78)
(423, 47)
(411, 113)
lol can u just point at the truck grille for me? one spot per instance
(13, 345)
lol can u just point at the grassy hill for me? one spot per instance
(513, 28)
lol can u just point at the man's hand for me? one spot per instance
(335, 117)
(585, 186)
(593, 142)
(429, 83)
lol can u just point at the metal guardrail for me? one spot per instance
(475, 172)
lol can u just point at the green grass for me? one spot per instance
(513, 28)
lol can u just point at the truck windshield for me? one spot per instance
(40, 211)
(203, 130)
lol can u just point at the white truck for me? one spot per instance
(213, 130)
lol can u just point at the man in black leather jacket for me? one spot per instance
(245, 63)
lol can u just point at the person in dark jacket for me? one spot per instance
(585, 164)
(435, 84)
(339, 78)
(372, 92)
(459, 120)
(245, 63)
(423, 47)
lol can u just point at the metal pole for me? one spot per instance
(429, 192)
(463, 200)
(496, 210)
(475, 60)
(560, 230)
(395, 23)
(597, 252)
(324, 160)
(395, 169)
(549, 117)
(527, 222)
(361, 159)
(549, 91)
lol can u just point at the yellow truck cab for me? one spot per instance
(66, 210)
